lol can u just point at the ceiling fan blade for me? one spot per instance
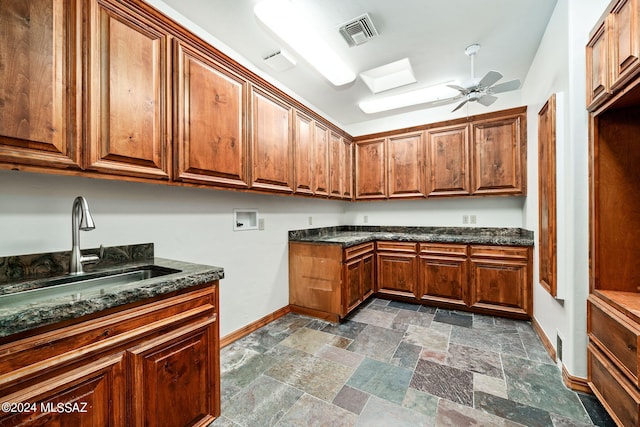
(505, 87)
(462, 90)
(460, 105)
(490, 78)
(487, 100)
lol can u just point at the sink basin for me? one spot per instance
(80, 287)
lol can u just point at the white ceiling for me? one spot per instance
(433, 34)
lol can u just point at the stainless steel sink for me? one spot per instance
(80, 287)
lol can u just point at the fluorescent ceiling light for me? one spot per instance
(389, 76)
(415, 97)
(288, 23)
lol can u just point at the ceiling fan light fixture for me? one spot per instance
(290, 25)
(415, 97)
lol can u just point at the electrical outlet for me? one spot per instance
(473, 219)
(559, 348)
(465, 219)
(310, 220)
(366, 219)
(261, 224)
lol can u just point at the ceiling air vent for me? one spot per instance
(358, 30)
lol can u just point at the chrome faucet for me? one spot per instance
(80, 220)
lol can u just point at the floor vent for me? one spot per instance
(558, 348)
(358, 30)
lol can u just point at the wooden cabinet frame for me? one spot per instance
(43, 85)
(211, 130)
(547, 235)
(122, 137)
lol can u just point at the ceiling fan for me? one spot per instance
(481, 90)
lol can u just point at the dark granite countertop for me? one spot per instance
(351, 235)
(20, 316)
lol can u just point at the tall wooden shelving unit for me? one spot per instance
(613, 311)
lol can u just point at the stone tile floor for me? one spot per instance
(394, 364)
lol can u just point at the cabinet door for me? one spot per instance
(40, 85)
(547, 246)
(499, 156)
(625, 42)
(397, 267)
(443, 279)
(336, 155)
(406, 171)
(93, 395)
(210, 105)
(321, 160)
(127, 93)
(447, 161)
(353, 273)
(371, 174)
(368, 276)
(347, 173)
(597, 68)
(303, 148)
(172, 377)
(501, 280)
(271, 163)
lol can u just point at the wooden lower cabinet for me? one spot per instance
(153, 364)
(328, 282)
(397, 266)
(501, 280)
(613, 363)
(443, 274)
(358, 279)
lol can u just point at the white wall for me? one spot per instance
(188, 224)
(490, 212)
(559, 66)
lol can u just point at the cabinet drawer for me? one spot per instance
(615, 392)
(504, 252)
(443, 249)
(397, 246)
(358, 250)
(617, 338)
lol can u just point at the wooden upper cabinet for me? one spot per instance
(597, 67)
(336, 156)
(303, 149)
(210, 125)
(447, 160)
(127, 93)
(625, 41)
(271, 154)
(320, 160)
(347, 170)
(406, 165)
(499, 156)
(547, 239)
(40, 97)
(371, 173)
